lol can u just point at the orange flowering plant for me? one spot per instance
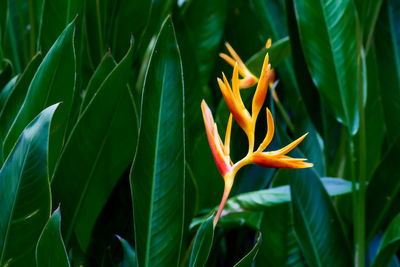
(247, 121)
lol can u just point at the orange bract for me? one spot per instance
(220, 151)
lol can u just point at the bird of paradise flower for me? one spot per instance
(247, 121)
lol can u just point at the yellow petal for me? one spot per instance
(289, 147)
(228, 135)
(270, 132)
(262, 88)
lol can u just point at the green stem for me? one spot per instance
(362, 162)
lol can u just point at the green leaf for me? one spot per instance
(56, 15)
(25, 193)
(383, 192)
(127, 9)
(263, 199)
(328, 37)
(19, 42)
(277, 53)
(130, 258)
(280, 247)
(106, 65)
(50, 249)
(316, 222)
(53, 82)
(249, 258)
(7, 91)
(387, 57)
(308, 92)
(85, 188)
(16, 98)
(204, 22)
(202, 243)
(368, 11)
(389, 245)
(158, 172)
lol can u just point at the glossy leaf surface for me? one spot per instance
(329, 40)
(103, 158)
(158, 171)
(50, 248)
(25, 193)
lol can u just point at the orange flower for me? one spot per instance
(220, 151)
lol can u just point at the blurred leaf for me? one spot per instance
(316, 222)
(202, 243)
(53, 82)
(209, 181)
(130, 258)
(329, 45)
(98, 15)
(389, 71)
(158, 172)
(25, 193)
(368, 11)
(159, 11)
(3, 21)
(204, 22)
(20, 39)
(249, 258)
(11, 107)
(7, 91)
(50, 248)
(280, 247)
(124, 26)
(277, 53)
(56, 15)
(383, 192)
(106, 65)
(389, 245)
(5, 72)
(375, 121)
(307, 89)
(84, 189)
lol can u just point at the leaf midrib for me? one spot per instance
(309, 234)
(154, 169)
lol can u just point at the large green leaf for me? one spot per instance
(263, 199)
(158, 171)
(389, 69)
(50, 248)
(15, 100)
(25, 193)
(248, 259)
(53, 82)
(307, 89)
(316, 222)
(202, 243)
(389, 245)
(329, 40)
(83, 189)
(56, 15)
(383, 192)
(280, 247)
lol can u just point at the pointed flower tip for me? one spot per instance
(268, 43)
(214, 140)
